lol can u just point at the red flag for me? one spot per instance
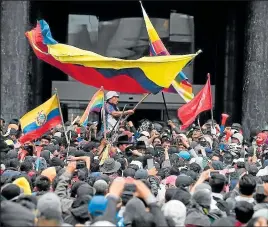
(201, 102)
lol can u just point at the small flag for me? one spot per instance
(201, 102)
(95, 105)
(41, 119)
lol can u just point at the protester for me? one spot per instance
(155, 175)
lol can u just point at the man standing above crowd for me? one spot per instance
(112, 111)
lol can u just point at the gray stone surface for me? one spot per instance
(14, 59)
(255, 90)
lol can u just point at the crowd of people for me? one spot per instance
(153, 174)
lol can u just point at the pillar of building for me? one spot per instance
(255, 89)
(15, 62)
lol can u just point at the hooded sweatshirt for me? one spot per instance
(24, 184)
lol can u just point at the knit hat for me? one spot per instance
(97, 205)
(202, 197)
(100, 186)
(202, 187)
(129, 172)
(85, 189)
(10, 191)
(49, 206)
(176, 210)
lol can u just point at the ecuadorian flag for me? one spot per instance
(180, 84)
(144, 75)
(95, 105)
(40, 120)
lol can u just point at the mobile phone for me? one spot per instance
(260, 189)
(150, 163)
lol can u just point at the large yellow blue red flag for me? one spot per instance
(144, 75)
(95, 105)
(181, 85)
(40, 120)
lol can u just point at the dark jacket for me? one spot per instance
(61, 191)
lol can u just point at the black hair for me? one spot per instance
(170, 192)
(174, 170)
(265, 179)
(13, 163)
(42, 183)
(195, 167)
(260, 198)
(26, 166)
(182, 195)
(243, 211)
(247, 185)
(217, 182)
(46, 137)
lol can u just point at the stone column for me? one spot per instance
(15, 64)
(255, 90)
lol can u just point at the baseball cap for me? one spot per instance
(183, 181)
(111, 94)
(185, 155)
(97, 205)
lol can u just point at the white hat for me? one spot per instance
(238, 136)
(111, 94)
(58, 134)
(145, 133)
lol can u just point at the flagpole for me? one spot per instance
(104, 116)
(163, 96)
(64, 129)
(211, 111)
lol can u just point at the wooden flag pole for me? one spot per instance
(143, 98)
